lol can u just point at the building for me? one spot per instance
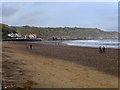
(32, 36)
(15, 35)
(12, 35)
(19, 35)
(26, 37)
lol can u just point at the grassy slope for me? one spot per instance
(92, 33)
(66, 32)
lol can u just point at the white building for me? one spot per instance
(14, 35)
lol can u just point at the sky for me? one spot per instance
(102, 15)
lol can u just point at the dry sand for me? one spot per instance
(48, 66)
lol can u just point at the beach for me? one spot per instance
(56, 66)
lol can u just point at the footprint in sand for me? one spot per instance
(53, 74)
(62, 80)
(66, 82)
(85, 69)
(45, 63)
(73, 79)
(67, 69)
(77, 75)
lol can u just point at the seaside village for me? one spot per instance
(21, 36)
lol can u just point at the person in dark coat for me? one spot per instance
(100, 49)
(26, 46)
(103, 49)
(30, 46)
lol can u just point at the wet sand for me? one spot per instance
(52, 66)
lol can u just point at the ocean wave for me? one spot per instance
(108, 43)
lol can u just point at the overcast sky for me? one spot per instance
(102, 15)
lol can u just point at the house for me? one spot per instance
(14, 35)
(32, 36)
(18, 35)
(26, 36)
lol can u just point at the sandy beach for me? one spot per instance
(54, 66)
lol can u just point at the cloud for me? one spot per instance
(6, 12)
(99, 15)
(27, 13)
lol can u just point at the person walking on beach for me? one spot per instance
(100, 49)
(30, 46)
(103, 49)
(26, 46)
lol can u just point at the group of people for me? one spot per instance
(102, 49)
(30, 47)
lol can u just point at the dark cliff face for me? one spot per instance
(64, 33)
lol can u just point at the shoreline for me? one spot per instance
(63, 42)
(58, 61)
(21, 40)
(59, 43)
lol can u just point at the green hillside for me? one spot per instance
(5, 30)
(64, 33)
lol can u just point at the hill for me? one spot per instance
(61, 32)
(5, 30)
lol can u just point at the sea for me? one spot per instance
(108, 43)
